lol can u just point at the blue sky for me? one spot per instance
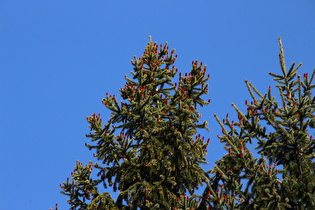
(59, 58)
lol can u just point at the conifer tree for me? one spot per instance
(283, 176)
(149, 150)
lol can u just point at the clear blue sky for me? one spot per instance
(59, 58)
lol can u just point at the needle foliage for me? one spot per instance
(149, 150)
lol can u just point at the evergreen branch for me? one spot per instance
(281, 57)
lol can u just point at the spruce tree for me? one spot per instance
(282, 176)
(149, 150)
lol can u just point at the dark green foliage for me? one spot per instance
(148, 153)
(82, 188)
(281, 129)
(147, 150)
